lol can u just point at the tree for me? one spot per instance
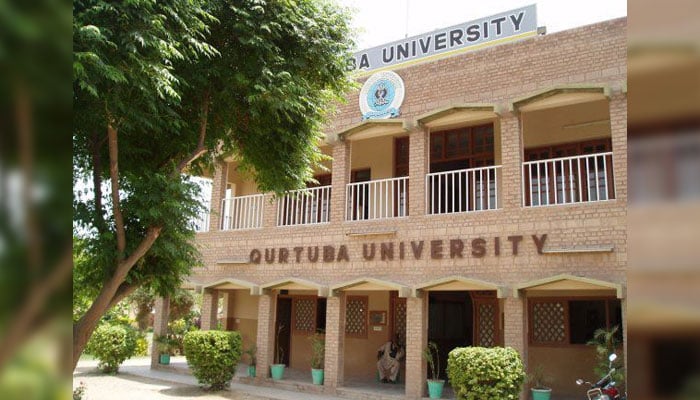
(168, 87)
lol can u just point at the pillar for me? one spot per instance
(510, 179)
(515, 329)
(266, 334)
(269, 217)
(418, 168)
(160, 325)
(335, 341)
(210, 303)
(218, 193)
(618, 131)
(340, 177)
(416, 341)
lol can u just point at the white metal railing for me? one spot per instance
(463, 190)
(304, 207)
(243, 212)
(201, 222)
(378, 199)
(566, 180)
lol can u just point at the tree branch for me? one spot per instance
(200, 150)
(37, 296)
(123, 291)
(114, 178)
(97, 183)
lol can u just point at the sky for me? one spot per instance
(382, 21)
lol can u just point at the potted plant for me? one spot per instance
(435, 384)
(251, 353)
(318, 353)
(165, 345)
(277, 369)
(539, 384)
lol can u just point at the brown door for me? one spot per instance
(450, 322)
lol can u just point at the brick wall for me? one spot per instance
(594, 54)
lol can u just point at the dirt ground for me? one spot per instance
(125, 386)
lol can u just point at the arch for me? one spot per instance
(457, 282)
(230, 283)
(560, 96)
(458, 114)
(374, 128)
(568, 282)
(368, 283)
(295, 284)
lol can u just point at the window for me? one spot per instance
(356, 316)
(563, 321)
(304, 314)
(462, 148)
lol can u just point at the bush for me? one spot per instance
(213, 356)
(478, 373)
(141, 345)
(112, 344)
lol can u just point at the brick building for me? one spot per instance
(492, 211)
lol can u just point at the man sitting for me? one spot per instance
(388, 360)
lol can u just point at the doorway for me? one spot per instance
(283, 329)
(450, 323)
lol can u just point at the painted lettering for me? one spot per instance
(517, 20)
(440, 41)
(401, 51)
(364, 61)
(255, 256)
(297, 253)
(539, 242)
(478, 247)
(425, 44)
(387, 59)
(386, 251)
(328, 253)
(284, 255)
(456, 37)
(312, 256)
(368, 254)
(473, 33)
(269, 256)
(436, 249)
(515, 241)
(497, 22)
(417, 249)
(456, 248)
(497, 246)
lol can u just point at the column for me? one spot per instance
(210, 304)
(416, 341)
(269, 211)
(335, 341)
(618, 130)
(510, 179)
(418, 167)
(266, 335)
(218, 193)
(515, 330)
(340, 177)
(160, 325)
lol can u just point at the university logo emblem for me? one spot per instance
(381, 96)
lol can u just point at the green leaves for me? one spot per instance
(479, 373)
(213, 356)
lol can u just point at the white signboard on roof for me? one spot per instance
(495, 29)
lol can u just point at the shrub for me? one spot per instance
(141, 345)
(213, 356)
(112, 344)
(478, 373)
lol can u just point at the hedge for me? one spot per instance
(213, 356)
(112, 344)
(479, 373)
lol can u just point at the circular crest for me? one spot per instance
(381, 96)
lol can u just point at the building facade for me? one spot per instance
(491, 211)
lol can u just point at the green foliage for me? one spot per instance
(478, 373)
(538, 379)
(141, 345)
(432, 355)
(166, 344)
(606, 342)
(318, 350)
(178, 329)
(213, 356)
(112, 344)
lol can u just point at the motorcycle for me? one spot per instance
(605, 388)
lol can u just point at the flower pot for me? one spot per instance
(541, 394)
(277, 371)
(435, 388)
(251, 371)
(165, 359)
(317, 376)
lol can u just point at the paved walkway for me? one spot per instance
(137, 381)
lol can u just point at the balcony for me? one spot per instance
(201, 223)
(242, 212)
(464, 190)
(377, 199)
(305, 207)
(567, 180)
